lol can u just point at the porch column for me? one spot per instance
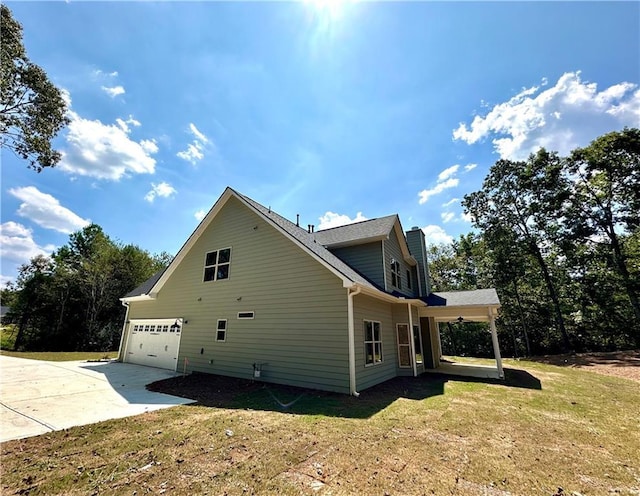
(496, 346)
(411, 342)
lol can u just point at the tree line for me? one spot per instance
(70, 300)
(559, 238)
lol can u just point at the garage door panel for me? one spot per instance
(154, 343)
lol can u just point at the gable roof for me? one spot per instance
(305, 240)
(146, 286)
(358, 232)
(367, 231)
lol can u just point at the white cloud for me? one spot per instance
(113, 91)
(331, 219)
(106, 151)
(465, 217)
(192, 154)
(470, 167)
(560, 118)
(447, 216)
(425, 194)
(46, 211)
(18, 244)
(451, 202)
(163, 189)
(198, 134)
(447, 173)
(124, 125)
(200, 214)
(195, 149)
(435, 235)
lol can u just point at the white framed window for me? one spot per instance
(221, 330)
(395, 273)
(246, 315)
(372, 343)
(217, 264)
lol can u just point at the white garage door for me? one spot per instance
(154, 343)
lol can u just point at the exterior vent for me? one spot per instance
(246, 315)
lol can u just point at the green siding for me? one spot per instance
(300, 328)
(366, 259)
(367, 308)
(392, 250)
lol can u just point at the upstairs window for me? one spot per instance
(216, 265)
(395, 273)
(409, 279)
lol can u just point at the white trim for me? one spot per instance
(351, 337)
(496, 345)
(384, 267)
(216, 265)
(373, 341)
(400, 366)
(218, 330)
(125, 331)
(411, 342)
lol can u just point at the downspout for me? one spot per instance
(352, 346)
(412, 342)
(124, 329)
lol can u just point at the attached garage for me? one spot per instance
(154, 343)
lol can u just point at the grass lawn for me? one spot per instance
(8, 337)
(61, 356)
(547, 427)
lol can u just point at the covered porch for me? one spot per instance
(480, 305)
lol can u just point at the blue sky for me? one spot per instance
(337, 111)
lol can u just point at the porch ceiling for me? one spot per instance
(478, 305)
(453, 313)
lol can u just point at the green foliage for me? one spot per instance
(8, 336)
(560, 241)
(70, 302)
(32, 109)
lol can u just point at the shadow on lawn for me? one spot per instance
(228, 392)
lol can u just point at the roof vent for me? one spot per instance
(415, 228)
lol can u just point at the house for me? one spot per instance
(254, 295)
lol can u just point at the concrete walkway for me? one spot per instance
(38, 397)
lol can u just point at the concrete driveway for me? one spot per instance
(38, 397)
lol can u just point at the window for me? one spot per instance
(221, 331)
(246, 315)
(409, 279)
(216, 265)
(372, 343)
(395, 273)
(404, 346)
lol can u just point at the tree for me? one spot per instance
(606, 201)
(32, 109)
(523, 198)
(70, 302)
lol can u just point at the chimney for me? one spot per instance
(297, 220)
(418, 248)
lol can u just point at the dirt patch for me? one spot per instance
(624, 364)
